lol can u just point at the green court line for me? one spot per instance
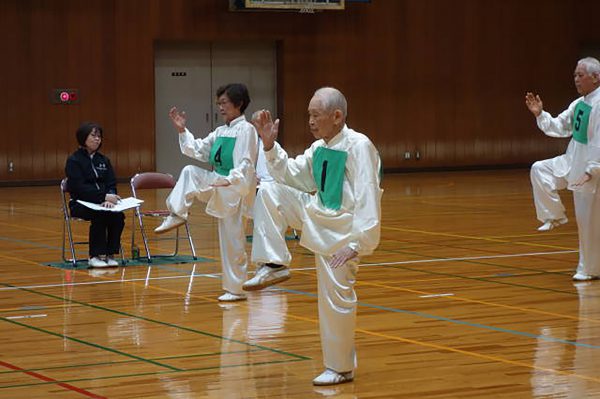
(157, 322)
(131, 361)
(154, 373)
(97, 346)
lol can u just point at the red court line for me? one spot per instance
(48, 379)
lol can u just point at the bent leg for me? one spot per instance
(546, 184)
(194, 182)
(276, 207)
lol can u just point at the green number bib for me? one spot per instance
(328, 171)
(581, 119)
(221, 155)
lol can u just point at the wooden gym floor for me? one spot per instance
(463, 299)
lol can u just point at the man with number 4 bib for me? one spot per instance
(331, 193)
(228, 190)
(578, 169)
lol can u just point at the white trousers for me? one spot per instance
(587, 212)
(545, 184)
(276, 207)
(195, 183)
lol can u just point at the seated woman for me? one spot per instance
(91, 178)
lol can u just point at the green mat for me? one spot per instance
(162, 260)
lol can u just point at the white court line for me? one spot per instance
(216, 275)
(405, 262)
(29, 316)
(435, 295)
(213, 275)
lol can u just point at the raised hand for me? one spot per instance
(178, 118)
(267, 129)
(534, 103)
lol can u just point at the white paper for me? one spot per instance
(122, 205)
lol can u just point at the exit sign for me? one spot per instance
(65, 96)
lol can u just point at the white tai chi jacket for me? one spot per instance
(242, 158)
(580, 157)
(344, 175)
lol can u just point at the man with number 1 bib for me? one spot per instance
(332, 193)
(578, 169)
(228, 190)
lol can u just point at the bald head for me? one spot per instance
(327, 113)
(332, 99)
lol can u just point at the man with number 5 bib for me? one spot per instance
(331, 193)
(228, 190)
(578, 169)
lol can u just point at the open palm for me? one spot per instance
(267, 129)
(178, 118)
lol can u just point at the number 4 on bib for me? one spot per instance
(221, 155)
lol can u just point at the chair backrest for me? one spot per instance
(151, 180)
(64, 187)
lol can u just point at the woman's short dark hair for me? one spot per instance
(237, 93)
(84, 131)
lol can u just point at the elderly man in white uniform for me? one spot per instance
(332, 194)
(228, 191)
(578, 169)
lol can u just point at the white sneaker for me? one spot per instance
(170, 223)
(583, 277)
(330, 377)
(229, 297)
(552, 223)
(110, 261)
(266, 276)
(97, 262)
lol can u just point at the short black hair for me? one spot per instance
(84, 131)
(237, 93)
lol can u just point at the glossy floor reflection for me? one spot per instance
(463, 299)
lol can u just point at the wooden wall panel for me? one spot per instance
(443, 77)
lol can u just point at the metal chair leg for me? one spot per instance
(189, 236)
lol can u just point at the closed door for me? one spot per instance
(188, 75)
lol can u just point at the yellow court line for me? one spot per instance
(479, 355)
(376, 334)
(19, 259)
(538, 235)
(469, 300)
(476, 238)
(401, 339)
(20, 226)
